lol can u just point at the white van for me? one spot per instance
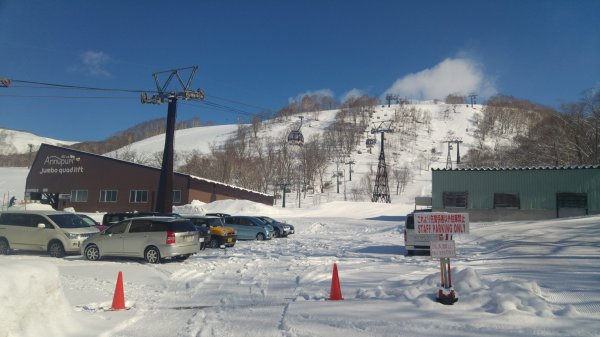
(57, 233)
(416, 244)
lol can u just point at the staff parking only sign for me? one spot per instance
(442, 223)
(449, 224)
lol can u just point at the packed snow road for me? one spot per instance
(541, 280)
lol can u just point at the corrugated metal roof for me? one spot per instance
(573, 167)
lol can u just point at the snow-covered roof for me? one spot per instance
(572, 167)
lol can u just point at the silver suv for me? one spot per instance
(151, 238)
(57, 233)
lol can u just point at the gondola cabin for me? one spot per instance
(296, 138)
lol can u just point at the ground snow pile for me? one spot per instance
(195, 207)
(33, 301)
(31, 207)
(240, 207)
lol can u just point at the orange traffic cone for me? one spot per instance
(119, 298)
(336, 291)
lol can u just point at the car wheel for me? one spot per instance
(213, 243)
(92, 253)
(152, 255)
(4, 247)
(260, 236)
(56, 249)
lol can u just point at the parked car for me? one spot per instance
(203, 231)
(57, 233)
(416, 243)
(219, 234)
(281, 229)
(151, 238)
(249, 228)
(110, 219)
(220, 215)
(91, 222)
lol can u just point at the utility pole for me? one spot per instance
(389, 98)
(473, 99)
(284, 186)
(382, 190)
(164, 199)
(350, 163)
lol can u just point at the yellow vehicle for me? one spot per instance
(220, 236)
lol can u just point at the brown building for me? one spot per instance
(88, 182)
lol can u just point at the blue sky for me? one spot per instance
(257, 55)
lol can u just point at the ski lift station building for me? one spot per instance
(88, 182)
(508, 194)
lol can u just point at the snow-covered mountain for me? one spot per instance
(416, 145)
(12, 141)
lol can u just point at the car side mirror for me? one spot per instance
(41, 225)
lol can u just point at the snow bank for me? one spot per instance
(33, 302)
(195, 207)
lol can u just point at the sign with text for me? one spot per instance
(443, 249)
(442, 223)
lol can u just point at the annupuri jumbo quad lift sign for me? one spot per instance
(445, 225)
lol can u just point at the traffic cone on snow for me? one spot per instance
(336, 291)
(119, 298)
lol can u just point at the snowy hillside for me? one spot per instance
(12, 141)
(417, 145)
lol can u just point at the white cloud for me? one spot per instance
(453, 75)
(321, 92)
(354, 93)
(93, 63)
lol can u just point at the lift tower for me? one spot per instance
(381, 192)
(164, 199)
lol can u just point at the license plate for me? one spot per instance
(201, 240)
(188, 238)
(229, 239)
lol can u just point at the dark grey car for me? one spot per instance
(151, 238)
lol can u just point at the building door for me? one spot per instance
(571, 204)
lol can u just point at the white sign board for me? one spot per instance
(443, 249)
(441, 223)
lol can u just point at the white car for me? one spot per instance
(57, 233)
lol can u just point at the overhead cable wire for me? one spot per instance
(46, 85)
(66, 97)
(237, 102)
(68, 86)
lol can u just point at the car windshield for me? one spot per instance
(267, 219)
(215, 222)
(68, 221)
(89, 221)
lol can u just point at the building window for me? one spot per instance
(138, 196)
(507, 200)
(176, 196)
(455, 199)
(79, 195)
(108, 196)
(571, 200)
